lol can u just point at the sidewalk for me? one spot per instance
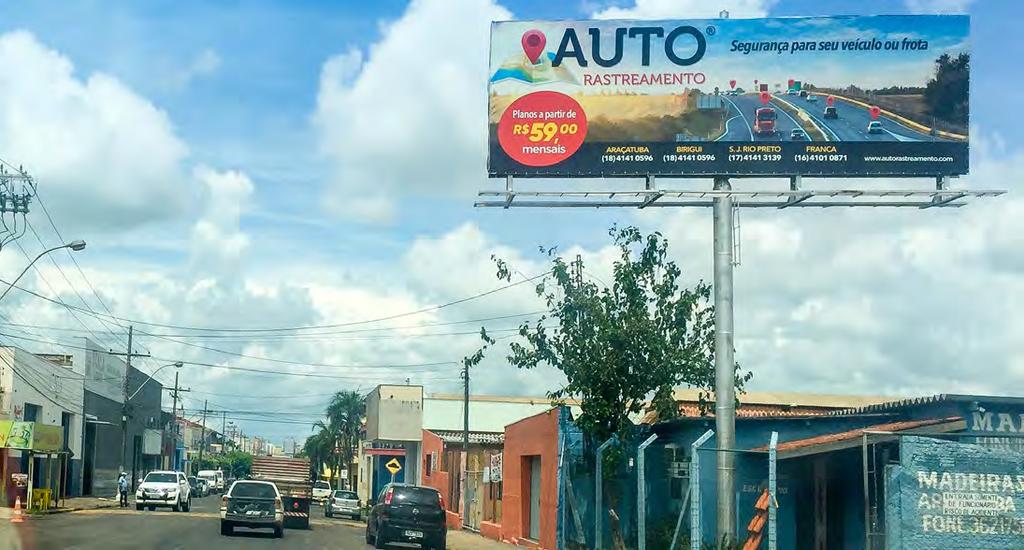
(73, 504)
(468, 540)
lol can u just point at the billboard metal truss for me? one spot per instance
(654, 195)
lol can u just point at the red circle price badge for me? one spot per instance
(542, 128)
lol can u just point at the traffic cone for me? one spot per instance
(17, 517)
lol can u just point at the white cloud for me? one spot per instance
(688, 9)
(938, 6)
(103, 156)
(218, 244)
(205, 63)
(410, 117)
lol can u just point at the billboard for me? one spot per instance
(828, 96)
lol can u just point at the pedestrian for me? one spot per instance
(122, 488)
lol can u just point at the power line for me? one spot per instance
(283, 329)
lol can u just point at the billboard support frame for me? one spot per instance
(723, 199)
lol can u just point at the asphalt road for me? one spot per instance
(852, 124)
(199, 529)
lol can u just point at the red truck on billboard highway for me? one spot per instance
(292, 477)
(764, 121)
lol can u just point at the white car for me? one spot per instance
(214, 478)
(165, 489)
(344, 503)
(321, 491)
(874, 127)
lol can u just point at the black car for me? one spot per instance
(831, 112)
(407, 513)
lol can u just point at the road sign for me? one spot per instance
(394, 466)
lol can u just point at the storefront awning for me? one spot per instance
(853, 438)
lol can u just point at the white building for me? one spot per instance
(47, 394)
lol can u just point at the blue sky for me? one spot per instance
(316, 162)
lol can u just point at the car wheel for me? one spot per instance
(378, 540)
(358, 517)
(152, 508)
(369, 539)
(177, 505)
(226, 529)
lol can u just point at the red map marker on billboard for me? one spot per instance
(765, 98)
(875, 111)
(790, 84)
(732, 83)
(830, 100)
(533, 44)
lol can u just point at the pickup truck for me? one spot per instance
(252, 504)
(291, 476)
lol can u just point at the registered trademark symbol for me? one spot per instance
(710, 30)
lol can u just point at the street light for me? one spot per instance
(73, 245)
(176, 364)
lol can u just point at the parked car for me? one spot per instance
(344, 503)
(798, 134)
(321, 491)
(831, 112)
(407, 513)
(164, 489)
(252, 504)
(875, 127)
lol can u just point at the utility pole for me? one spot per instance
(465, 440)
(124, 401)
(174, 419)
(202, 437)
(223, 432)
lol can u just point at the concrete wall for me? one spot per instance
(394, 413)
(432, 445)
(533, 436)
(945, 494)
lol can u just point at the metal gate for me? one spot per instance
(474, 498)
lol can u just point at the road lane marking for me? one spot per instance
(740, 111)
(727, 127)
(898, 136)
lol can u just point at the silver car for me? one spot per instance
(344, 503)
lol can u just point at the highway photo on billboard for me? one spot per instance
(870, 95)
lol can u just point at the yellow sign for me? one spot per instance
(394, 466)
(15, 434)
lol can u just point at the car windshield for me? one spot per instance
(416, 495)
(253, 490)
(206, 476)
(830, 109)
(322, 485)
(161, 478)
(345, 495)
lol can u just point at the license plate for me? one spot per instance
(414, 534)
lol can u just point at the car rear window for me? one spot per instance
(253, 490)
(161, 478)
(416, 495)
(322, 485)
(347, 495)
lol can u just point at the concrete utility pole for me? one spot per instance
(174, 419)
(223, 432)
(124, 402)
(202, 436)
(465, 441)
(725, 364)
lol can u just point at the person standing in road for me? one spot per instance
(122, 488)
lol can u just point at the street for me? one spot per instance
(127, 528)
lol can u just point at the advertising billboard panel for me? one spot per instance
(830, 96)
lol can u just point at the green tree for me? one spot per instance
(337, 438)
(622, 345)
(947, 93)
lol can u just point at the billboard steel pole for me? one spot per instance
(725, 365)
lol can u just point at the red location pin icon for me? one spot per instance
(830, 100)
(533, 44)
(765, 98)
(790, 83)
(875, 111)
(732, 83)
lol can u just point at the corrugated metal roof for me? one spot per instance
(793, 399)
(808, 442)
(478, 438)
(692, 410)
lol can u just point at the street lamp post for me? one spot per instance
(73, 245)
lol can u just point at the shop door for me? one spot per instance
(535, 497)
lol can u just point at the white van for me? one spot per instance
(214, 478)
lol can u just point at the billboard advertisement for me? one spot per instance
(829, 96)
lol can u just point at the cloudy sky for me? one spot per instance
(290, 164)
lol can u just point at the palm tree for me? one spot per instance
(337, 436)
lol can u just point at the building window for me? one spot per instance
(65, 423)
(428, 464)
(32, 412)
